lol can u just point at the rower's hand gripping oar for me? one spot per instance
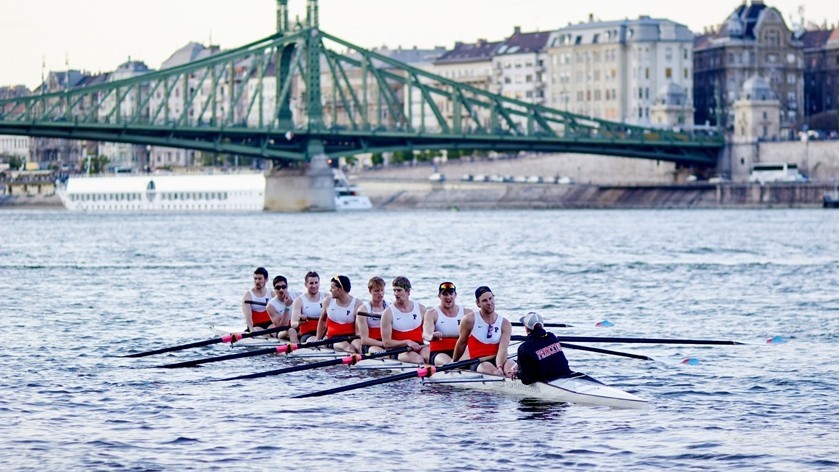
(227, 338)
(422, 372)
(281, 349)
(351, 359)
(546, 325)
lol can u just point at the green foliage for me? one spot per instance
(98, 164)
(15, 162)
(398, 157)
(377, 159)
(351, 160)
(825, 121)
(454, 154)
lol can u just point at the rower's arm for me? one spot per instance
(428, 322)
(466, 325)
(387, 331)
(246, 311)
(296, 310)
(276, 318)
(503, 344)
(321, 333)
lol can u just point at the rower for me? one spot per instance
(441, 325)
(306, 310)
(540, 356)
(279, 307)
(338, 315)
(369, 327)
(486, 335)
(255, 300)
(402, 323)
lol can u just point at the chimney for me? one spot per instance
(516, 29)
(591, 17)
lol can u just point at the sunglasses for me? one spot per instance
(280, 287)
(446, 286)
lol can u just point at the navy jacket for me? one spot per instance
(541, 358)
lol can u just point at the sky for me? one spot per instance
(98, 35)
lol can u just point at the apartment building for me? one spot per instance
(518, 67)
(821, 74)
(615, 70)
(173, 157)
(17, 146)
(753, 41)
(125, 157)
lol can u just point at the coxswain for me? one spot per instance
(306, 310)
(486, 335)
(255, 301)
(540, 356)
(279, 307)
(369, 328)
(402, 323)
(441, 325)
(338, 315)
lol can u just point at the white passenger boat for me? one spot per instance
(184, 192)
(580, 388)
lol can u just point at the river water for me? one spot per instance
(80, 290)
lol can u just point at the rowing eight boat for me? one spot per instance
(580, 388)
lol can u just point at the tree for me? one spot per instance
(15, 162)
(377, 159)
(98, 164)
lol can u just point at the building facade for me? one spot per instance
(125, 157)
(821, 73)
(613, 70)
(753, 40)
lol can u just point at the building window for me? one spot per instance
(668, 72)
(646, 72)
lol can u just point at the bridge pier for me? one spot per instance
(301, 189)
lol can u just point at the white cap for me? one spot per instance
(531, 319)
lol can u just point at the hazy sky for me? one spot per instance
(98, 35)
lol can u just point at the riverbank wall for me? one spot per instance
(415, 194)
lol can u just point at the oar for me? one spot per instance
(422, 372)
(254, 302)
(689, 360)
(283, 348)
(599, 339)
(515, 323)
(351, 359)
(227, 338)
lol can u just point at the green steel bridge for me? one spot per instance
(293, 95)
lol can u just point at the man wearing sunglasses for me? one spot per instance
(306, 310)
(279, 307)
(255, 300)
(486, 335)
(338, 315)
(441, 325)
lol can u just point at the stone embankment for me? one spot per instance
(615, 183)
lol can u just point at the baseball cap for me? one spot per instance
(531, 319)
(446, 287)
(481, 290)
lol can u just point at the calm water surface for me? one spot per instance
(77, 291)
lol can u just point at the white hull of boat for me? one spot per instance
(181, 192)
(582, 389)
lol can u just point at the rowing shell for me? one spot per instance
(580, 389)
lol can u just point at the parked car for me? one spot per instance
(466, 177)
(481, 178)
(437, 177)
(535, 179)
(520, 179)
(564, 180)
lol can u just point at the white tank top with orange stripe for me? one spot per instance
(371, 321)
(311, 309)
(448, 326)
(408, 321)
(341, 314)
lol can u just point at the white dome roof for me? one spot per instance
(757, 88)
